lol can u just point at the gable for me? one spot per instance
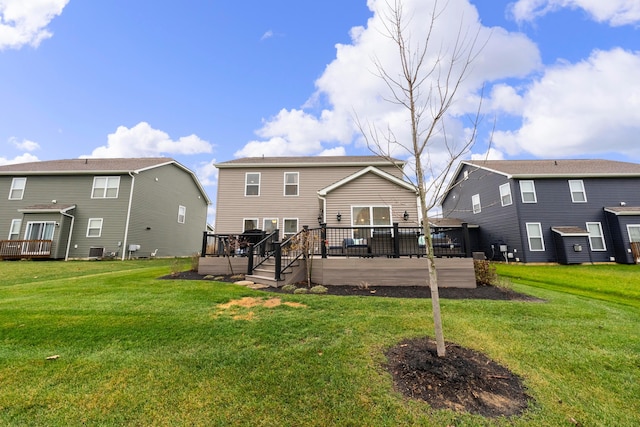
(369, 169)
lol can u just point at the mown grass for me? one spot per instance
(135, 350)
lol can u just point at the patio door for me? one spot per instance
(36, 232)
(634, 238)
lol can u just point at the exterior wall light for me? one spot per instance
(405, 216)
(339, 216)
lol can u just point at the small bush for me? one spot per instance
(289, 288)
(318, 289)
(485, 273)
(301, 291)
(195, 261)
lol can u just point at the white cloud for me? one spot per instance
(24, 145)
(144, 141)
(615, 12)
(24, 22)
(349, 86)
(589, 107)
(207, 173)
(23, 158)
(267, 35)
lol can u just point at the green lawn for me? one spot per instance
(135, 350)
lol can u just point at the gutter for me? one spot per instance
(126, 226)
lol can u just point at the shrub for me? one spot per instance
(195, 261)
(289, 288)
(485, 273)
(301, 291)
(318, 289)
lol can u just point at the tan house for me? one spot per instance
(286, 193)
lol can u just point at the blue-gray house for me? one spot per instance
(565, 211)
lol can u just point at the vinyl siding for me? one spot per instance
(232, 205)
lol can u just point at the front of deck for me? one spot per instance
(25, 249)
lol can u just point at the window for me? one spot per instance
(291, 183)
(528, 192)
(14, 231)
(17, 188)
(368, 216)
(250, 224)
(634, 233)
(475, 203)
(578, 194)
(270, 225)
(182, 214)
(105, 187)
(596, 237)
(252, 184)
(290, 227)
(94, 229)
(534, 234)
(505, 194)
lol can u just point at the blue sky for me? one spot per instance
(207, 81)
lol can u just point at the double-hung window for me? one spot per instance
(505, 194)
(17, 188)
(105, 187)
(182, 214)
(94, 228)
(528, 192)
(534, 234)
(291, 180)
(290, 227)
(578, 195)
(249, 224)
(14, 231)
(252, 184)
(475, 203)
(596, 237)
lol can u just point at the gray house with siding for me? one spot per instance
(566, 211)
(96, 208)
(287, 193)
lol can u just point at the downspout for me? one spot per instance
(126, 226)
(73, 220)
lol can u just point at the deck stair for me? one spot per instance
(266, 272)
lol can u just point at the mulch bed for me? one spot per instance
(464, 380)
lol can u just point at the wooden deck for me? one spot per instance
(25, 249)
(404, 271)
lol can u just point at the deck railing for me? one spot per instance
(17, 249)
(384, 241)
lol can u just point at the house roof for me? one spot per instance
(449, 223)
(95, 166)
(307, 161)
(561, 168)
(48, 207)
(624, 210)
(570, 231)
(369, 169)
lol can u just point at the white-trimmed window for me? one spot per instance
(634, 232)
(475, 203)
(369, 216)
(94, 228)
(578, 195)
(291, 182)
(596, 237)
(290, 227)
(14, 231)
(17, 188)
(269, 225)
(105, 187)
(505, 194)
(534, 235)
(249, 224)
(252, 184)
(182, 214)
(528, 192)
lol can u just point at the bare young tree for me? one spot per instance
(429, 81)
